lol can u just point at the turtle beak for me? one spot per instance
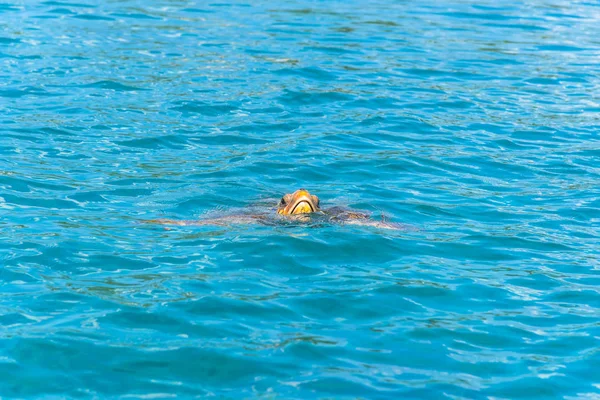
(303, 207)
(301, 203)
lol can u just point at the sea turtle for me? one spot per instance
(299, 206)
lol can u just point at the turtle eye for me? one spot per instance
(317, 201)
(282, 201)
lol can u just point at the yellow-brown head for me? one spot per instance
(299, 202)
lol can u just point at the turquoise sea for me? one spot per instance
(477, 123)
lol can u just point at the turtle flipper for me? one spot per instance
(166, 221)
(346, 216)
(341, 214)
(218, 221)
(379, 224)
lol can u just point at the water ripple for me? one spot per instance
(475, 123)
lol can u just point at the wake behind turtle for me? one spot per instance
(299, 206)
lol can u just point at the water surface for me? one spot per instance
(475, 121)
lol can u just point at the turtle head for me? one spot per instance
(299, 202)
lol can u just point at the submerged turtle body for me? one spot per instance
(299, 206)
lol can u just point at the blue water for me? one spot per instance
(475, 122)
